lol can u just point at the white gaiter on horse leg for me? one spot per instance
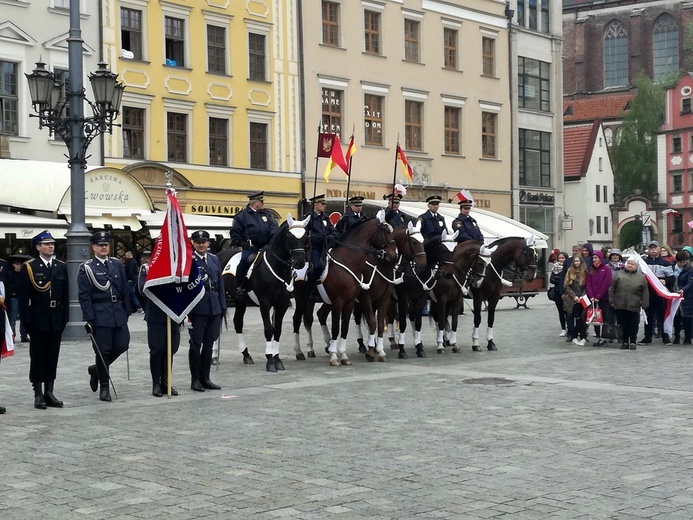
(333, 347)
(379, 347)
(297, 342)
(391, 331)
(371, 340)
(475, 337)
(453, 337)
(268, 348)
(342, 347)
(439, 339)
(489, 334)
(241, 342)
(275, 347)
(401, 338)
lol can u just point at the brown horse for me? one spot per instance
(346, 275)
(376, 300)
(514, 254)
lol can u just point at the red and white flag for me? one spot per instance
(585, 301)
(673, 300)
(173, 281)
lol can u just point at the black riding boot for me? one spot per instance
(39, 401)
(50, 399)
(93, 378)
(164, 377)
(194, 360)
(102, 370)
(155, 369)
(206, 365)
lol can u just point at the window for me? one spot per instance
(330, 23)
(686, 106)
(599, 224)
(615, 55)
(411, 40)
(488, 49)
(488, 136)
(521, 13)
(256, 57)
(605, 198)
(598, 193)
(450, 48)
(601, 164)
(606, 224)
(545, 16)
(676, 182)
(676, 144)
(177, 131)
(216, 49)
(665, 47)
(62, 4)
(258, 146)
(332, 110)
(532, 19)
(533, 84)
(413, 126)
(9, 120)
(373, 119)
(133, 133)
(539, 218)
(371, 21)
(175, 41)
(452, 130)
(218, 141)
(677, 224)
(535, 159)
(131, 31)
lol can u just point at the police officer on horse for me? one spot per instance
(393, 215)
(352, 216)
(321, 231)
(253, 228)
(465, 224)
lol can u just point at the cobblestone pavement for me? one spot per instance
(539, 429)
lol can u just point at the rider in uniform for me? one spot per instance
(253, 228)
(44, 308)
(465, 224)
(321, 230)
(205, 317)
(432, 224)
(352, 216)
(104, 296)
(393, 215)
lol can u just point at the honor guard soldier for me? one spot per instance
(465, 224)
(432, 224)
(393, 215)
(44, 301)
(104, 296)
(253, 228)
(205, 317)
(352, 216)
(156, 336)
(321, 231)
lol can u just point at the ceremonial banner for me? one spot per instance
(173, 281)
(351, 149)
(336, 158)
(406, 168)
(325, 143)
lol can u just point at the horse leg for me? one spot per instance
(402, 305)
(278, 318)
(359, 329)
(345, 315)
(323, 312)
(238, 315)
(491, 318)
(392, 309)
(267, 326)
(308, 324)
(296, 321)
(334, 360)
(441, 321)
(454, 317)
(415, 317)
(367, 313)
(382, 311)
(477, 321)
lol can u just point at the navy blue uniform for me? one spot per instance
(432, 224)
(321, 229)
(395, 218)
(44, 310)
(468, 229)
(252, 230)
(349, 219)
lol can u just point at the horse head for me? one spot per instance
(383, 240)
(415, 241)
(448, 243)
(468, 262)
(516, 252)
(295, 240)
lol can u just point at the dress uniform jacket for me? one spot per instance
(395, 218)
(468, 229)
(349, 219)
(108, 303)
(321, 229)
(258, 227)
(43, 296)
(432, 224)
(214, 300)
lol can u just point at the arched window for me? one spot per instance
(615, 55)
(665, 47)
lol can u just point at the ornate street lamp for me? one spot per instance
(63, 114)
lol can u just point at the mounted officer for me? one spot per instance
(253, 228)
(104, 296)
(321, 231)
(44, 309)
(393, 215)
(432, 224)
(205, 317)
(465, 224)
(352, 216)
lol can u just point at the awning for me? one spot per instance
(28, 226)
(215, 226)
(97, 222)
(492, 225)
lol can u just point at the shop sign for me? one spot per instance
(214, 209)
(528, 197)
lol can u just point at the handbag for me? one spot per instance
(611, 331)
(594, 316)
(551, 293)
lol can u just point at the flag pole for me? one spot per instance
(315, 177)
(169, 355)
(394, 172)
(346, 198)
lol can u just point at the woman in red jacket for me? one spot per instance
(597, 288)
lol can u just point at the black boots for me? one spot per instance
(39, 401)
(102, 372)
(93, 378)
(194, 360)
(205, 367)
(48, 396)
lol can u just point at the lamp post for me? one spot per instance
(64, 115)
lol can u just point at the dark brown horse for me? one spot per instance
(513, 255)
(347, 275)
(463, 269)
(376, 300)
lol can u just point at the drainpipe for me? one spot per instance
(302, 97)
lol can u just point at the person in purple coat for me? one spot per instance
(597, 288)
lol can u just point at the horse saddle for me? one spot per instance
(231, 266)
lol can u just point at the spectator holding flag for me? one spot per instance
(574, 290)
(664, 274)
(627, 294)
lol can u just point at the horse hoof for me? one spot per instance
(300, 357)
(270, 366)
(345, 362)
(440, 350)
(370, 358)
(327, 349)
(278, 364)
(248, 360)
(476, 348)
(402, 355)
(491, 346)
(393, 344)
(362, 348)
(311, 353)
(334, 362)
(381, 359)
(421, 353)
(455, 350)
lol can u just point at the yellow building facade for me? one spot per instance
(210, 96)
